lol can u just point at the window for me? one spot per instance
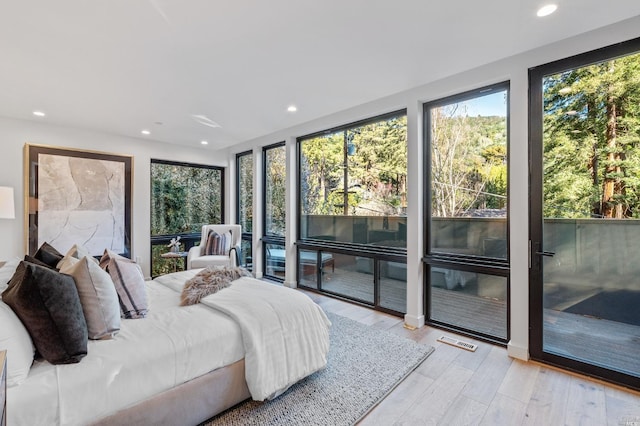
(352, 206)
(353, 183)
(183, 198)
(244, 179)
(467, 256)
(274, 157)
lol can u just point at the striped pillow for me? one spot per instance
(128, 279)
(218, 244)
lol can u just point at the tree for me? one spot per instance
(591, 140)
(468, 161)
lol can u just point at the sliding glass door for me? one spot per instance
(585, 213)
(467, 256)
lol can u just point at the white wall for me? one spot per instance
(513, 69)
(15, 133)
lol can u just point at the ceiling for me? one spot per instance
(121, 66)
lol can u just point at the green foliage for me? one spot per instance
(592, 140)
(184, 198)
(275, 185)
(376, 170)
(468, 161)
(245, 192)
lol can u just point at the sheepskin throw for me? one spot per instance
(208, 281)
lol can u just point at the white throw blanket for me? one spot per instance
(285, 334)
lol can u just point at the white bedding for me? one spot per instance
(285, 334)
(148, 356)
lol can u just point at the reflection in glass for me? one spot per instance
(393, 286)
(275, 260)
(469, 300)
(350, 276)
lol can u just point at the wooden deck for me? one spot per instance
(481, 314)
(596, 341)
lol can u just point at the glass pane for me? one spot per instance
(183, 198)
(275, 260)
(275, 186)
(469, 176)
(393, 286)
(350, 276)
(469, 300)
(246, 259)
(245, 192)
(591, 208)
(354, 184)
(308, 267)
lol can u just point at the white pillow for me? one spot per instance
(98, 296)
(6, 272)
(15, 339)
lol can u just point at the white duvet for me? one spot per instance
(285, 334)
(172, 345)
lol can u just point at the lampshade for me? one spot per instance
(7, 208)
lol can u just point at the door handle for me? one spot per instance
(546, 253)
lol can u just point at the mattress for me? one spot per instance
(171, 346)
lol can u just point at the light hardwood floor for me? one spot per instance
(486, 387)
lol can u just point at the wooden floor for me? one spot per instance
(457, 387)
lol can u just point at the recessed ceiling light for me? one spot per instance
(292, 108)
(145, 132)
(204, 142)
(39, 113)
(546, 10)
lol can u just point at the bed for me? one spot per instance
(181, 364)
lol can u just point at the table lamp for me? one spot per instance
(7, 207)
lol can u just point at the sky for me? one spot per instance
(493, 104)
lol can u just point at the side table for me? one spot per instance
(176, 255)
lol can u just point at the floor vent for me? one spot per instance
(458, 343)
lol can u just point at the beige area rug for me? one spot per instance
(365, 364)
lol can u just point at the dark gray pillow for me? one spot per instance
(48, 305)
(49, 255)
(30, 259)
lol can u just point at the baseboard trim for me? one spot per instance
(518, 352)
(413, 321)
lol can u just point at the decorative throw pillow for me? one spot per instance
(78, 252)
(6, 272)
(48, 305)
(128, 279)
(208, 281)
(15, 339)
(34, 260)
(218, 244)
(49, 255)
(98, 297)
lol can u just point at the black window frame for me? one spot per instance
(246, 236)
(189, 239)
(462, 262)
(269, 239)
(376, 253)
